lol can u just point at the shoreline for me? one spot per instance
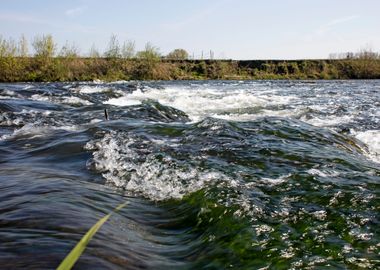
(72, 69)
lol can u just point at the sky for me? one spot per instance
(232, 29)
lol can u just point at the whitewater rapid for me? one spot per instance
(254, 100)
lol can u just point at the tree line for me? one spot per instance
(45, 46)
(121, 61)
(367, 53)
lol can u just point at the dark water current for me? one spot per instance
(217, 175)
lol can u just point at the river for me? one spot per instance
(217, 174)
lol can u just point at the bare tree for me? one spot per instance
(113, 50)
(128, 49)
(23, 47)
(94, 53)
(367, 53)
(69, 50)
(8, 48)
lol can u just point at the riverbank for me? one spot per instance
(29, 69)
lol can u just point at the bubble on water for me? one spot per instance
(347, 248)
(263, 229)
(315, 260)
(320, 215)
(360, 262)
(288, 253)
(335, 199)
(359, 235)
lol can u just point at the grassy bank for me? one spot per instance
(123, 62)
(26, 69)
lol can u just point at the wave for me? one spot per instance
(200, 103)
(194, 156)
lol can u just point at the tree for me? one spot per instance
(94, 53)
(178, 54)
(113, 50)
(69, 50)
(8, 47)
(10, 67)
(367, 53)
(128, 49)
(149, 58)
(150, 52)
(23, 48)
(44, 46)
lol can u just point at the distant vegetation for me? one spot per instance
(121, 61)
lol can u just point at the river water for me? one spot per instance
(217, 174)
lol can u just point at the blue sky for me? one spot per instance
(237, 29)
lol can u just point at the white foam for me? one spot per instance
(122, 101)
(33, 130)
(160, 179)
(199, 103)
(120, 82)
(71, 100)
(40, 97)
(9, 93)
(97, 81)
(75, 100)
(328, 121)
(33, 112)
(157, 180)
(27, 86)
(320, 215)
(5, 121)
(288, 253)
(362, 263)
(275, 181)
(96, 120)
(324, 173)
(372, 139)
(86, 89)
(29, 129)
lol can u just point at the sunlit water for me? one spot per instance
(240, 175)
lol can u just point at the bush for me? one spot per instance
(178, 54)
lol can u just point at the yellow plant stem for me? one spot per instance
(77, 251)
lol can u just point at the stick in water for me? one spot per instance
(106, 114)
